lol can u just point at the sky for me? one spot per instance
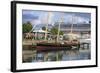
(50, 17)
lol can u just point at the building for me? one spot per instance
(81, 29)
(77, 28)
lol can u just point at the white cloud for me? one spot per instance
(82, 20)
(35, 22)
(47, 18)
(75, 19)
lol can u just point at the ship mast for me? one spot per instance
(72, 26)
(61, 20)
(48, 19)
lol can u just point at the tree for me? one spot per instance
(54, 31)
(27, 27)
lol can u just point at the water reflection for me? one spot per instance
(64, 55)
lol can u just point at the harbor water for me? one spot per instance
(62, 55)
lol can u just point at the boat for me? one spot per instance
(65, 45)
(56, 46)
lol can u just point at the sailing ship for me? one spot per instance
(67, 44)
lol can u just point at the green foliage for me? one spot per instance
(61, 33)
(27, 27)
(54, 31)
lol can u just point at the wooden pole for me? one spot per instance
(48, 19)
(72, 24)
(59, 28)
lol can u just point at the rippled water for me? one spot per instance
(76, 56)
(61, 56)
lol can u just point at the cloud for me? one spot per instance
(47, 18)
(41, 17)
(36, 22)
(75, 19)
(27, 12)
(29, 16)
(82, 20)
